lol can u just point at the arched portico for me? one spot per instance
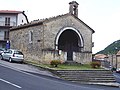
(69, 40)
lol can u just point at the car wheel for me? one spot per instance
(21, 62)
(1, 57)
(10, 60)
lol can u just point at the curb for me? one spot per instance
(107, 84)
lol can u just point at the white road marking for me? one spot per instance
(10, 83)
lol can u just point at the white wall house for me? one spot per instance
(8, 19)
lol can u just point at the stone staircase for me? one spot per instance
(87, 76)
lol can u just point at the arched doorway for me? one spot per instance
(69, 40)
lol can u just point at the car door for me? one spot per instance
(4, 54)
(7, 54)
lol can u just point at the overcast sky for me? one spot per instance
(101, 15)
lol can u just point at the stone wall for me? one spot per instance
(20, 40)
(83, 57)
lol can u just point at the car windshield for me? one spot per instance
(18, 52)
(2, 49)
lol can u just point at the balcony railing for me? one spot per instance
(4, 38)
(12, 23)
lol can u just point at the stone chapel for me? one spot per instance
(64, 37)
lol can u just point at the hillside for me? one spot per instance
(111, 49)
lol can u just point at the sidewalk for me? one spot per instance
(26, 68)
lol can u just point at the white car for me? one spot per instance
(2, 50)
(118, 70)
(12, 55)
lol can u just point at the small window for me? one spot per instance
(30, 36)
(18, 52)
(22, 21)
(7, 21)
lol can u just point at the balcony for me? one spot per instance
(12, 23)
(4, 38)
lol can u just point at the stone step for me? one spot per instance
(102, 81)
(86, 80)
(90, 79)
(112, 79)
(77, 76)
(84, 75)
(96, 72)
(87, 75)
(90, 72)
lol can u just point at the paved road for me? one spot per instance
(117, 76)
(25, 67)
(14, 79)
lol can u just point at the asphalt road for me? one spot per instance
(18, 80)
(14, 80)
(117, 76)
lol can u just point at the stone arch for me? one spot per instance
(75, 31)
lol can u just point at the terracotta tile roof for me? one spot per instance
(118, 53)
(10, 11)
(100, 56)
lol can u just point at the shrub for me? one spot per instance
(55, 63)
(113, 69)
(95, 64)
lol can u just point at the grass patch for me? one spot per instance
(63, 66)
(73, 67)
